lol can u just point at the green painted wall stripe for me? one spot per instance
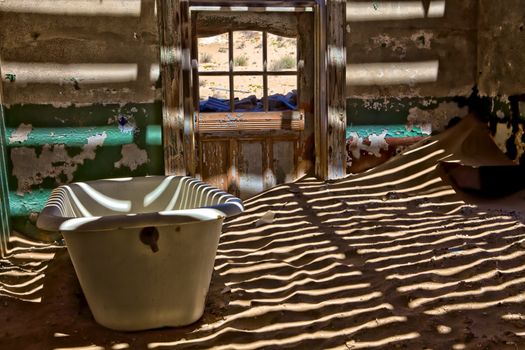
(32, 202)
(79, 136)
(394, 131)
(154, 135)
(73, 137)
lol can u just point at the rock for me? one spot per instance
(267, 218)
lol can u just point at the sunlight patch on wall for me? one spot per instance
(76, 73)
(391, 73)
(118, 8)
(392, 10)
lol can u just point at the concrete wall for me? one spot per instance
(81, 94)
(501, 47)
(432, 52)
(406, 65)
(416, 66)
(501, 73)
(406, 59)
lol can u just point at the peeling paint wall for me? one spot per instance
(433, 51)
(409, 68)
(85, 56)
(501, 47)
(437, 119)
(81, 95)
(424, 67)
(399, 120)
(501, 76)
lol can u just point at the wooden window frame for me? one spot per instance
(211, 122)
(231, 73)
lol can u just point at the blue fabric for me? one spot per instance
(276, 102)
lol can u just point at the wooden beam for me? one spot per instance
(265, 69)
(216, 22)
(249, 121)
(336, 83)
(253, 3)
(187, 87)
(171, 60)
(305, 91)
(247, 73)
(320, 117)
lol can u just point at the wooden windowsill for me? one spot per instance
(249, 121)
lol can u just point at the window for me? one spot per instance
(247, 71)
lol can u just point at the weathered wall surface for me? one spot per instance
(431, 51)
(81, 94)
(413, 65)
(407, 64)
(501, 73)
(81, 56)
(501, 47)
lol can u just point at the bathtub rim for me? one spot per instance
(50, 218)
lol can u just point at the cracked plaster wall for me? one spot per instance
(67, 67)
(478, 43)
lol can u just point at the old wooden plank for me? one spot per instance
(187, 87)
(336, 84)
(214, 23)
(320, 119)
(170, 33)
(276, 135)
(195, 62)
(233, 169)
(253, 3)
(284, 161)
(250, 168)
(305, 90)
(215, 162)
(230, 67)
(285, 120)
(248, 72)
(268, 170)
(265, 70)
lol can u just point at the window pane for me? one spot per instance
(248, 93)
(247, 51)
(213, 53)
(282, 92)
(214, 94)
(282, 53)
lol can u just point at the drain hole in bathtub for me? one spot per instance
(149, 236)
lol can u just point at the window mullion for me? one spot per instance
(265, 70)
(230, 70)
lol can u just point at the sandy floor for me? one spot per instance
(391, 258)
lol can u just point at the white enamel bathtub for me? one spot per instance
(143, 248)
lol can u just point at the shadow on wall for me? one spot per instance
(81, 95)
(404, 80)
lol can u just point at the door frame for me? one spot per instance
(175, 28)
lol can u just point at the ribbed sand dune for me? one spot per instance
(392, 258)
